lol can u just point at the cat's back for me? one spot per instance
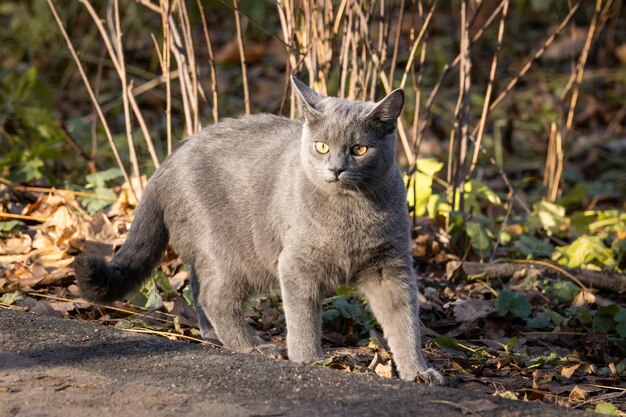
(232, 152)
(244, 139)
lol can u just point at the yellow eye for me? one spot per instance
(321, 147)
(359, 150)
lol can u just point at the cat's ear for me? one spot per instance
(387, 111)
(308, 100)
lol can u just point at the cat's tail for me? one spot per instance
(104, 282)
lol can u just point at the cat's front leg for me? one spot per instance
(391, 291)
(302, 302)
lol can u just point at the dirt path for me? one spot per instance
(54, 367)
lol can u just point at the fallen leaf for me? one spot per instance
(568, 371)
(16, 245)
(472, 309)
(384, 370)
(606, 409)
(179, 280)
(62, 224)
(583, 298)
(39, 307)
(578, 394)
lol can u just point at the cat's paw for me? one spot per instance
(430, 376)
(266, 349)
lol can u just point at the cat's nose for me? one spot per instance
(337, 171)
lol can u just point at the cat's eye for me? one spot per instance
(321, 147)
(359, 150)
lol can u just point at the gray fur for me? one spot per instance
(250, 203)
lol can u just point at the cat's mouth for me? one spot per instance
(342, 182)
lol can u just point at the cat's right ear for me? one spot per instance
(308, 100)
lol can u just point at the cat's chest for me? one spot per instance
(349, 241)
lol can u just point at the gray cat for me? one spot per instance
(309, 204)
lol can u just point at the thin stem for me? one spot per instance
(143, 126)
(242, 56)
(132, 154)
(492, 76)
(207, 40)
(164, 11)
(396, 45)
(416, 43)
(83, 75)
(534, 58)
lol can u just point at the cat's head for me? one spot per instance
(347, 145)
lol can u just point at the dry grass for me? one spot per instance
(343, 47)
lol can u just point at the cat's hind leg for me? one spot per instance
(207, 331)
(391, 291)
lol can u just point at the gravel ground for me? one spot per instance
(55, 367)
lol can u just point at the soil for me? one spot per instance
(55, 367)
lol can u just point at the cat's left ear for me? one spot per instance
(308, 100)
(388, 110)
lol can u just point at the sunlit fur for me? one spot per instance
(282, 216)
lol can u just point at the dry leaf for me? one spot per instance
(62, 224)
(16, 245)
(583, 298)
(568, 371)
(472, 309)
(374, 361)
(179, 280)
(384, 370)
(578, 393)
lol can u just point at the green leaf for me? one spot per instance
(604, 319)
(10, 225)
(437, 204)
(28, 170)
(555, 317)
(482, 190)
(580, 222)
(478, 236)
(449, 342)
(585, 252)
(11, 298)
(188, 295)
(325, 362)
(429, 166)
(420, 184)
(514, 303)
(539, 322)
(99, 179)
(154, 300)
(163, 282)
(346, 309)
(577, 195)
(560, 291)
(620, 329)
(533, 247)
(548, 217)
(330, 315)
(540, 361)
(607, 409)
